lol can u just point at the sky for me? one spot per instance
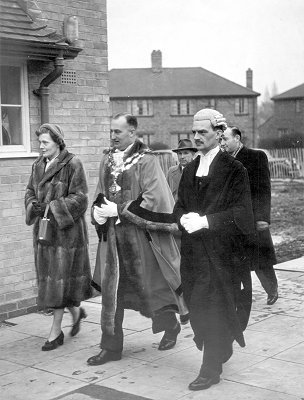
(223, 36)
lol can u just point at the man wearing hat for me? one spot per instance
(185, 153)
(214, 213)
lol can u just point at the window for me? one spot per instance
(298, 106)
(15, 135)
(241, 106)
(211, 104)
(282, 132)
(183, 107)
(145, 137)
(177, 136)
(140, 107)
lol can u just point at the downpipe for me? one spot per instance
(43, 91)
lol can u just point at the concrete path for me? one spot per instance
(270, 367)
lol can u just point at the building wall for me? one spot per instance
(286, 116)
(162, 124)
(83, 112)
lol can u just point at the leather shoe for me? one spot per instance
(271, 299)
(76, 327)
(54, 343)
(103, 357)
(169, 339)
(202, 383)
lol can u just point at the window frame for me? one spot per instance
(149, 107)
(298, 105)
(181, 104)
(22, 150)
(244, 110)
(145, 137)
(179, 135)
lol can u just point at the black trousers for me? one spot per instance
(268, 279)
(163, 320)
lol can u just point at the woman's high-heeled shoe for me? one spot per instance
(54, 343)
(76, 327)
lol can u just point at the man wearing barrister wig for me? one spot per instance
(214, 212)
(137, 267)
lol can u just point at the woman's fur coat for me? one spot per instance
(63, 268)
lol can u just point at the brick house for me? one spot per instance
(165, 99)
(288, 117)
(53, 69)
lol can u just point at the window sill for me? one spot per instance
(241, 114)
(17, 154)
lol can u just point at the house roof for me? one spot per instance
(24, 31)
(172, 82)
(294, 93)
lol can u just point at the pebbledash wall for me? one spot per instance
(164, 127)
(82, 109)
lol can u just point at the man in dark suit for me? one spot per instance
(185, 152)
(214, 213)
(256, 163)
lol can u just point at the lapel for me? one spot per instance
(176, 171)
(63, 158)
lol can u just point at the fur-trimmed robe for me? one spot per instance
(140, 243)
(213, 258)
(63, 268)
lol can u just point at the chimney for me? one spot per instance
(156, 59)
(249, 78)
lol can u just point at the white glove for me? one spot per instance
(107, 210)
(98, 218)
(193, 222)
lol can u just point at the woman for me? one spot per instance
(62, 265)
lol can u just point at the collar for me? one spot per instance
(205, 161)
(235, 153)
(125, 150)
(211, 153)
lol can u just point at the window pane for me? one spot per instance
(10, 85)
(11, 126)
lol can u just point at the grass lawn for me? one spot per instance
(287, 218)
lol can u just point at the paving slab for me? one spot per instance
(75, 366)
(6, 367)
(190, 359)
(99, 393)
(286, 377)
(32, 384)
(296, 265)
(153, 381)
(144, 345)
(295, 354)
(267, 344)
(9, 336)
(229, 390)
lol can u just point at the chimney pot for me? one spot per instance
(249, 78)
(156, 59)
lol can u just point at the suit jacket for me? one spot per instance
(173, 178)
(213, 257)
(256, 163)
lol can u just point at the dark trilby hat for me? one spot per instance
(185, 144)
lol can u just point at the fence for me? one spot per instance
(286, 163)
